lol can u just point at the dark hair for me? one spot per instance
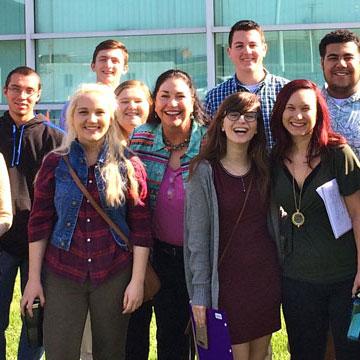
(215, 146)
(111, 44)
(23, 70)
(337, 37)
(322, 134)
(245, 25)
(199, 113)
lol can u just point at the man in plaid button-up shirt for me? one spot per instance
(247, 49)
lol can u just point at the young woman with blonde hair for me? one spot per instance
(87, 265)
(135, 103)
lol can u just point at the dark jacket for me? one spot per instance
(24, 148)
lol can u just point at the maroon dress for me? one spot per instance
(249, 275)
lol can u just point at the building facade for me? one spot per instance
(57, 38)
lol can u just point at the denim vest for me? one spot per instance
(68, 198)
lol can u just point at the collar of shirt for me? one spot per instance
(237, 85)
(353, 98)
(195, 139)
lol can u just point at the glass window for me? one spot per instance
(291, 54)
(95, 15)
(50, 115)
(15, 56)
(271, 12)
(65, 63)
(12, 17)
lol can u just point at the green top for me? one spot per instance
(311, 252)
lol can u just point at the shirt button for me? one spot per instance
(89, 260)
(88, 220)
(68, 224)
(90, 181)
(73, 203)
(88, 240)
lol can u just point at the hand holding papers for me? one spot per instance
(213, 341)
(335, 207)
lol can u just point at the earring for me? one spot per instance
(222, 129)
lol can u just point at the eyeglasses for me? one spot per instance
(18, 91)
(236, 115)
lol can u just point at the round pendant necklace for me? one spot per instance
(297, 218)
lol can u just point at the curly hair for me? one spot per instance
(338, 37)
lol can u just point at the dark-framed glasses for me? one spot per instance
(249, 116)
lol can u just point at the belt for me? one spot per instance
(172, 250)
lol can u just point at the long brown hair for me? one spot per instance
(215, 146)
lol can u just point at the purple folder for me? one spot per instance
(219, 344)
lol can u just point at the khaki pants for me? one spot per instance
(66, 309)
(269, 353)
(86, 344)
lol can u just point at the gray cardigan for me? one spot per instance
(201, 238)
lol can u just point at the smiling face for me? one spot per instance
(133, 108)
(247, 51)
(299, 116)
(109, 66)
(174, 104)
(91, 119)
(240, 128)
(341, 67)
(22, 93)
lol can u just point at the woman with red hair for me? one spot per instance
(320, 272)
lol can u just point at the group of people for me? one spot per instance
(221, 198)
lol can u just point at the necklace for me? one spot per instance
(236, 176)
(173, 147)
(297, 218)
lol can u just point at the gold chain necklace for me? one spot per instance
(297, 218)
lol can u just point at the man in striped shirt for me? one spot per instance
(247, 49)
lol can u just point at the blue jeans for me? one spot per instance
(9, 266)
(308, 309)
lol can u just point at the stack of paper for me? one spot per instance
(335, 206)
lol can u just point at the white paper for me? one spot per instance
(335, 206)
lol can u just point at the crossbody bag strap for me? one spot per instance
(237, 222)
(95, 205)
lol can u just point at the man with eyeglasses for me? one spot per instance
(247, 50)
(24, 141)
(340, 61)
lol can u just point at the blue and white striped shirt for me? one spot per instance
(267, 91)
